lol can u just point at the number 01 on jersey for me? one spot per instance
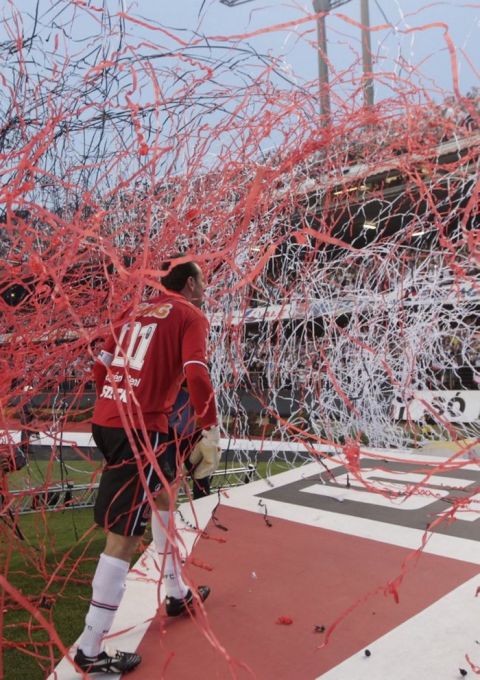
(139, 338)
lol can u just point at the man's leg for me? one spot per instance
(108, 587)
(179, 598)
(162, 525)
(201, 487)
(118, 510)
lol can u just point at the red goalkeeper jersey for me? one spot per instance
(147, 357)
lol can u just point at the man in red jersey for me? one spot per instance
(138, 375)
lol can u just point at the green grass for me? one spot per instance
(52, 568)
(55, 563)
(41, 472)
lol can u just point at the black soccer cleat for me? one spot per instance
(176, 606)
(121, 662)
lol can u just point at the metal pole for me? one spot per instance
(322, 7)
(366, 54)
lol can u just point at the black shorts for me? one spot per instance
(122, 504)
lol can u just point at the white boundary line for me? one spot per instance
(440, 451)
(430, 646)
(245, 498)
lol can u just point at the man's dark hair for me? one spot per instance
(177, 276)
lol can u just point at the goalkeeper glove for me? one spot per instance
(206, 453)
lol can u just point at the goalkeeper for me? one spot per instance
(138, 375)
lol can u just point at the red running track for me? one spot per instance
(308, 574)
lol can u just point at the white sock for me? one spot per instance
(108, 586)
(172, 568)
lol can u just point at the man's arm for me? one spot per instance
(195, 366)
(201, 393)
(102, 362)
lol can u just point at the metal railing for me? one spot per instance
(58, 497)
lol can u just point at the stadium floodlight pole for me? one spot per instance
(366, 54)
(322, 7)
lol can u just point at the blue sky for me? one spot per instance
(417, 46)
(402, 38)
(401, 46)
